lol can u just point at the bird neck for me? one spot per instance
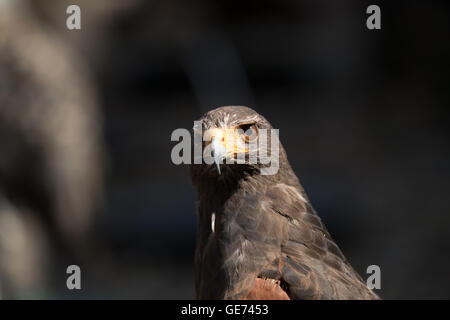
(214, 192)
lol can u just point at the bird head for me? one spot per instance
(235, 140)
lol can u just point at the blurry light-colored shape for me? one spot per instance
(58, 114)
(48, 99)
(23, 251)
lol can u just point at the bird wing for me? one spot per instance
(249, 241)
(310, 264)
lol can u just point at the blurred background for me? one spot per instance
(86, 117)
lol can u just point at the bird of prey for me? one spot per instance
(258, 235)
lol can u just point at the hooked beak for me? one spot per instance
(224, 144)
(218, 151)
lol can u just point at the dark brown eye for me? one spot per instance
(250, 131)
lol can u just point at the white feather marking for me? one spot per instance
(213, 221)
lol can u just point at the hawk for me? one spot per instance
(258, 235)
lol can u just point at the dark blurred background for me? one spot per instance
(86, 118)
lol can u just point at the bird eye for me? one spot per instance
(250, 131)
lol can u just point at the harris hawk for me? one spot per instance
(258, 235)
